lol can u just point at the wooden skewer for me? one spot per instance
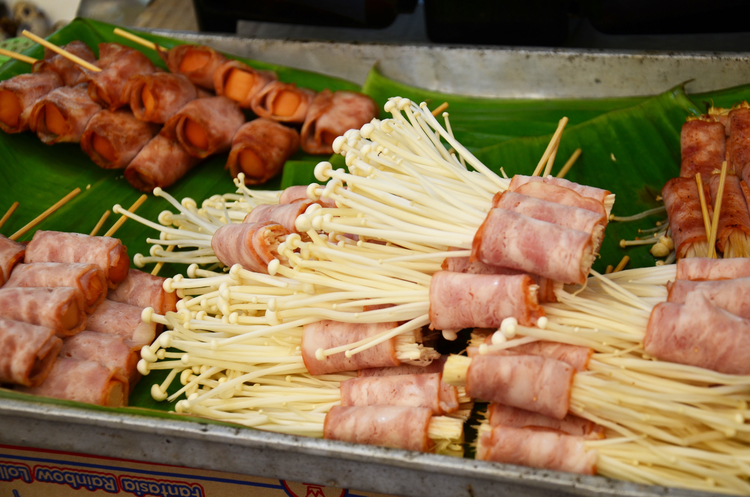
(157, 268)
(552, 146)
(704, 206)
(17, 56)
(137, 39)
(717, 210)
(55, 48)
(10, 212)
(100, 223)
(440, 108)
(124, 218)
(41, 217)
(573, 158)
(609, 269)
(622, 264)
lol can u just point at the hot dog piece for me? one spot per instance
(704, 268)
(240, 82)
(87, 278)
(29, 351)
(69, 71)
(600, 195)
(162, 162)
(284, 214)
(731, 295)
(123, 320)
(331, 115)
(60, 308)
(414, 390)
(397, 427)
(733, 232)
(283, 102)
(253, 245)
(144, 290)
(699, 334)
(158, 96)
(259, 150)
(500, 414)
(106, 252)
(113, 139)
(62, 115)
(11, 253)
(198, 62)
(681, 198)
(537, 448)
(205, 126)
(118, 64)
(512, 240)
(328, 334)
(110, 351)
(459, 300)
(18, 96)
(702, 148)
(83, 381)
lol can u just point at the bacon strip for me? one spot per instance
(734, 218)
(328, 334)
(106, 252)
(254, 81)
(69, 71)
(509, 239)
(459, 300)
(597, 194)
(699, 334)
(11, 253)
(397, 427)
(575, 355)
(260, 148)
(284, 214)
(123, 320)
(500, 414)
(331, 115)
(560, 195)
(704, 268)
(200, 74)
(685, 216)
(22, 92)
(29, 351)
(60, 308)
(731, 295)
(264, 103)
(738, 142)
(165, 94)
(87, 278)
(110, 351)
(118, 64)
(76, 109)
(413, 390)
(160, 163)
(702, 147)
(83, 381)
(144, 290)
(536, 448)
(253, 245)
(125, 134)
(435, 366)
(534, 383)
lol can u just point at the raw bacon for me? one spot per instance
(332, 114)
(60, 308)
(435, 366)
(283, 102)
(110, 351)
(738, 142)
(18, 96)
(158, 96)
(260, 148)
(597, 194)
(144, 290)
(62, 115)
(123, 320)
(328, 334)
(106, 252)
(536, 448)
(702, 147)
(29, 351)
(113, 139)
(560, 195)
(117, 63)
(459, 300)
(253, 245)
(509, 239)
(500, 414)
(699, 334)
(731, 295)
(160, 163)
(534, 383)
(197, 62)
(733, 232)
(83, 381)
(87, 278)
(11, 253)
(240, 82)
(397, 427)
(413, 390)
(686, 217)
(69, 71)
(284, 214)
(704, 268)
(575, 355)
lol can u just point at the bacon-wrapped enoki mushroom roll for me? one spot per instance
(284, 214)
(160, 163)
(83, 381)
(59, 308)
(18, 96)
(29, 351)
(682, 200)
(252, 245)
(158, 96)
(733, 232)
(198, 62)
(260, 148)
(738, 141)
(118, 63)
(704, 268)
(240, 82)
(11, 253)
(144, 290)
(106, 252)
(87, 278)
(605, 197)
(500, 414)
(283, 102)
(414, 390)
(575, 355)
(113, 138)
(702, 148)
(123, 320)
(397, 427)
(110, 351)
(205, 126)
(732, 295)
(435, 366)
(62, 115)
(69, 71)
(331, 115)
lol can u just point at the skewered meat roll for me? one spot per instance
(160, 163)
(733, 232)
(681, 198)
(283, 102)
(738, 142)
(240, 82)
(113, 138)
(11, 253)
(702, 148)
(69, 71)
(260, 148)
(158, 96)
(144, 290)
(59, 308)
(18, 96)
(29, 352)
(62, 115)
(331, 115)
(118, 63)
(198, 62)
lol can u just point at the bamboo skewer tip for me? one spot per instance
(17, 56)
(64, 53)
(41, 217)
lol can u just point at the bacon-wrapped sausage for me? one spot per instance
(331, 115)
(62, 115)
(283, 102)
(253, 245)
(18, 96)
(198, 62)
(260, 148)
(59, 308)
(69, 71)
(158, 96)
(29, 351)
(162, 162)
(118, 63)
(240, 82)
(113, 139)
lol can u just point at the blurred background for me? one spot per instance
(692, 25)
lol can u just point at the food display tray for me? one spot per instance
(476, 71)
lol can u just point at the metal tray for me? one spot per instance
(491, 72)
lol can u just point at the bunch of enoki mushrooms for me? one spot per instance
(406, 201)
